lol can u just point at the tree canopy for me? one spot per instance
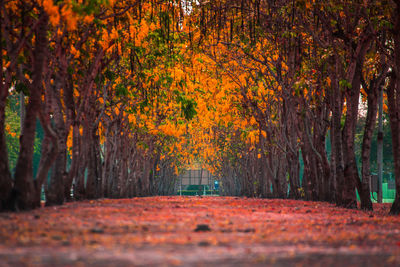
(129, 93)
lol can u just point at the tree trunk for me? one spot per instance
(337, 102)
(24, 185)
(394, 107)
(48, 155)
(92, 166)
(79, 179)
(326, 193)
(55, 193)
(354, 75)
(394, 115)
(99, 192)
(350, 165)
(73, 170)
(310, 175)
(6, 182)
(374, 87)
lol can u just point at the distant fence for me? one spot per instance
(196, 182)
(196, 177)
(388, 189)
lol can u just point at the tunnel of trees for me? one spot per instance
(278, 98)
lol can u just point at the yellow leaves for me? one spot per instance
(132, 118)
(252, 137)
(328, 81)
(69, 139)
(101, 133)
(105, 40)
(114, 34)
(66, 13)
(144, 29)
(12, 5)
(385, 108)
(152, 26)
(75, 52)
(70, 17)
(202, 107)
(132, 31)
(264, 133)
(178, 73)
(178, 147)
(363, 93)
(131, 21)
(171, 129)
(284, 66)
(88, 19)
(52, 12)
(9, 131)
(59, 32)
(176, 170)
(253, 121)
(76, 93)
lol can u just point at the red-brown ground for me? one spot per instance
(162, 231)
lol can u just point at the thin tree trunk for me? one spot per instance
(55, 192)
(374, 87)
(73, 170)
(48, 155)
(336, 134)
(394, 115)
(6, 182)
(394, 107)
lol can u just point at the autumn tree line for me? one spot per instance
(299, 70)
(128, 92)
(96, 75)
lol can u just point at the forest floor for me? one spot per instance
(199, 231)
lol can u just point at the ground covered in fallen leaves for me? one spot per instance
(199, 231)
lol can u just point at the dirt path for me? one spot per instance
(199, 231)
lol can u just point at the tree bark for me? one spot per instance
(75, 157)
(48, 152)
(350, 165)
(394, 115)
(394, 107)
(336, 103)
(55, 192)
(372, 100)
(24, 185)
(352, 179)
(6, 182)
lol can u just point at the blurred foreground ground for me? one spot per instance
(199, 231)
